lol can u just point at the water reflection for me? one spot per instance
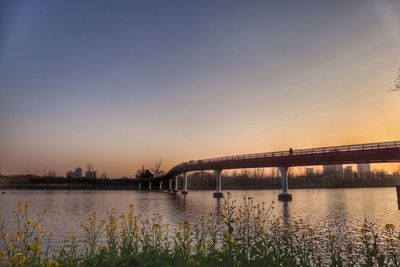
(285, 212)
(218, 207)
(325, 209)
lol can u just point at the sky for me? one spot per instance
(122, 83)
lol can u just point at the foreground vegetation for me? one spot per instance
(245, 235)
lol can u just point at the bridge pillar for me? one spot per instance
(284, 196)
(185, 191)
(149, 185)
(160, 185)
(140, 186)
(169, 184)
(218, 193)
(175, 184)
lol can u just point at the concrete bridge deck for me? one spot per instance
(344, 154)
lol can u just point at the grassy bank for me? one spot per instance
(241, 235)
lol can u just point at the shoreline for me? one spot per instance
(104, 188)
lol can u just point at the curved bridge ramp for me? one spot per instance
(344, 154)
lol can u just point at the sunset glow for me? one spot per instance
(124, 85)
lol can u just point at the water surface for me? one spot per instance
(322, 208)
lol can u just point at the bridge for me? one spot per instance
(283, 160)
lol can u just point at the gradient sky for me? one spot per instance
(124, 83)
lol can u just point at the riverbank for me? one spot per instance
(134, 187)
(201, 182)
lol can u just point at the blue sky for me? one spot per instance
(124, 83)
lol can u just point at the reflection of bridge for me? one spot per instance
(348, 154)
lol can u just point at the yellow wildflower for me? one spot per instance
(19, 258)
(5, 236)
(19, 235)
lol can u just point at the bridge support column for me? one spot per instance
(140, 186)
(169, 184)
(160, 185)
(218, 193)
(175, 184)
(149, 185)
(185, 191)
(284, 196)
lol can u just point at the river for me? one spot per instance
(321, 208)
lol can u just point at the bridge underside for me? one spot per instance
(367, 153)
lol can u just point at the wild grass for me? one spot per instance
(241, 235)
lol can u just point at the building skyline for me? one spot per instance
(91, 174)
(309, 171)
(348, 171)
(364, 169)
(333, 169)
(77, 173)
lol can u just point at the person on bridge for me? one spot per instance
(290, 151)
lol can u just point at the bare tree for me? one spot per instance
(141, 173)
(52, 173)
(157, 168)
(396, 83)
(290, 172)
(274, 172)
(103, 175)
(258, 173)
(245, 173)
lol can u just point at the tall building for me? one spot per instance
(91, 174)
(75, 174)
(334, 169)
(78, 172)
(348, 171)
(309, 171)
(363, 168)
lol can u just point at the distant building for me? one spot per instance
(348, 171)
(334, 169)
(309, 171)
(91, 174)
(75, 174)
(78, 172)
(363, 169)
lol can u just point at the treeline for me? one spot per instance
(70, 183)
(258, 179)
(245, 179)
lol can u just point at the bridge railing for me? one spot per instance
(309, 151)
